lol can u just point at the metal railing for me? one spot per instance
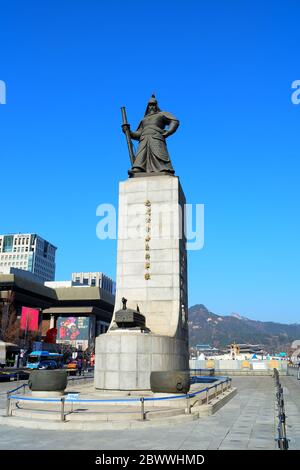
(24, 385)
(283, 442)
(204, 372)
(9, 394)
(294, 370)
(224, 383)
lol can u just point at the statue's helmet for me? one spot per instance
(152, 100)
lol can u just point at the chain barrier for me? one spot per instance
(283, 442)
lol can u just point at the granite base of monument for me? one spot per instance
(126, 358)
(150, 334)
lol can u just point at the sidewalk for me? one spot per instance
(248, 421)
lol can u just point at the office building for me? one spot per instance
(29, 252)
(94, 279)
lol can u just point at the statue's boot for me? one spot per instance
(135, 170)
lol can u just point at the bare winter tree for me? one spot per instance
(9, 325)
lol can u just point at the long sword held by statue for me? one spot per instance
(127, 134)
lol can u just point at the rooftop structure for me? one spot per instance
(86, 279)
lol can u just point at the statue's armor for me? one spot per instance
(152, 153)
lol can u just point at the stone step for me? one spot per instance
(159, 404)
(55, 424)
(103, 415)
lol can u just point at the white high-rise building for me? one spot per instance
(29, 252)
(87, 279)
(94, 279)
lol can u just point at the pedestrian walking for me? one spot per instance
(79, 365)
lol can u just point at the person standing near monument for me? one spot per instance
(79, 365)
(152, 155)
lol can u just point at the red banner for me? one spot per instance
(29, 319)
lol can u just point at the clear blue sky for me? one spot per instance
(225, 68)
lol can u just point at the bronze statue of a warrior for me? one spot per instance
(152, 155)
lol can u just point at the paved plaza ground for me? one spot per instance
(248, 421)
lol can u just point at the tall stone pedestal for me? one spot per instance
(125, 359)
(151, 273)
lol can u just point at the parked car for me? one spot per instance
(7, 376)
(47, 365)
(72, 365)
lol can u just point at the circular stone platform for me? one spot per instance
(118, 411)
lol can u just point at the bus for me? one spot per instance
(44, 360)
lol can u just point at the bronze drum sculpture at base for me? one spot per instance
(170, 381)
(48, 381)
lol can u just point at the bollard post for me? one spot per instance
(24, 387)
(188, 406)
(143, 415)
(62, 409)
(222, 388)
(207, 396)
(8, 405)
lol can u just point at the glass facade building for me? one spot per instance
(28, 252)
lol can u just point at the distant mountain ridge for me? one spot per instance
(206, 327)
